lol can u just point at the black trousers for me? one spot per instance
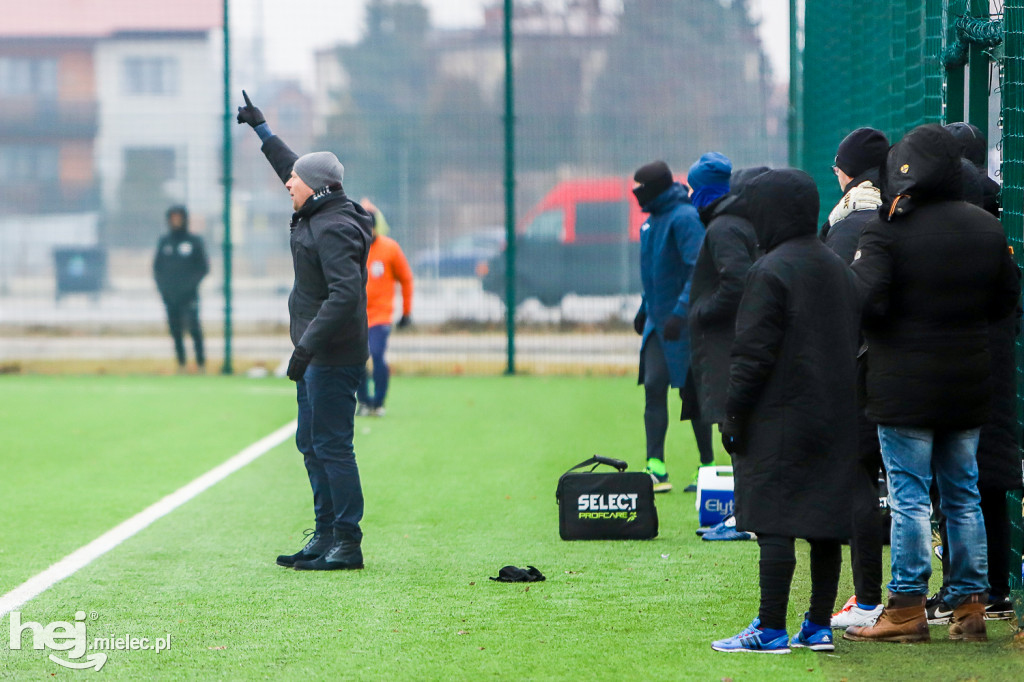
(656, 385)
(182, 314)
(997, 529)
(778, 561)
(868, 530)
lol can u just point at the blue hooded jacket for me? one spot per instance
(670, 240)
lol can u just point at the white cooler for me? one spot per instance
(714, 495)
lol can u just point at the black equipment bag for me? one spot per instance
(606, 505)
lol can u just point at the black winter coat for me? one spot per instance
(999, 454)
(793, 374)
(330, 240)
(934, 274)
(179, 265)
(843, 238)
(729, 249)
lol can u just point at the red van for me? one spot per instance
(582, 238)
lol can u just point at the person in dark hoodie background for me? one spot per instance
(858, 159)
(179, 266)
(728, 251)
(999, 454)
(791, 410)
(974, 148)
(330, 241)
(669, 241)
(935, 272)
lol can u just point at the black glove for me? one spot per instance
(733, 431)
(404, 322)
(674, 327)
(639, 321)
(250, 114)
(298, 363)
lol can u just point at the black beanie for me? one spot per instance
(861, 150)
(654, 178)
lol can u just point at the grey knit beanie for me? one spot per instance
(319, 169)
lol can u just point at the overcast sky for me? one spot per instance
(294, 28)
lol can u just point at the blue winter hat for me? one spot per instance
(709, 178)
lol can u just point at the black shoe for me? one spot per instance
(344, 555)
(999, 608)
(936, 609)
(319, 543)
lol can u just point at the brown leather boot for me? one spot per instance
(903, 620)
(968, 623)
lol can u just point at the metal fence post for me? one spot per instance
(977, 98)
(510, 197)
(226, 368)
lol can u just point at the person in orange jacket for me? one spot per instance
(385, 265)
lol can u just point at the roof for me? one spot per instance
(101, 18)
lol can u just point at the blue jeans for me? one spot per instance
(910, 455)
(327, 408)
(378, 338)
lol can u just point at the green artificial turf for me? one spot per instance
(459, 479)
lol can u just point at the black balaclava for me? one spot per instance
(654, 178)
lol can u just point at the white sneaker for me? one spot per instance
(851, 614)
(378, 412)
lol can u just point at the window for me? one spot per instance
(602, 221)
(150, 75)
(21, 76)
(150, 164)
(29, 163)
(547, 226)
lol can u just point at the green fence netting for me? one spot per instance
(898, 88)
(1012, 91)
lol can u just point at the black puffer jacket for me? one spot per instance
(330, 240)
(934, 272)
(793, 373)
(729, 249)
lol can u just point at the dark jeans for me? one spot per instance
(656, 385)
(997, 529)
(778, 560)
(181, 314)
(378, 338)
(327, 408)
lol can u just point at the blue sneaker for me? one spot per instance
(718, 526)
(813, 637)
(755, 640)
(726, 531)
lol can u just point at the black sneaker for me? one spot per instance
(319, 543)
(937, 610)
(344, 555)
(999, 608)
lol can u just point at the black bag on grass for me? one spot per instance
(606, 505)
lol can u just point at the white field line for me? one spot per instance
(83, 556)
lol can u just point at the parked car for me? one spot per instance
(465, 256)
(582, 238)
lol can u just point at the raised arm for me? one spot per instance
(279, 154)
